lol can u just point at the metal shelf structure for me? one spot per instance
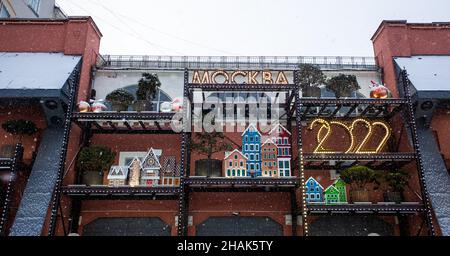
(10, 165)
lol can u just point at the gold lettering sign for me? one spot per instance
(246, 77)
(354, 147)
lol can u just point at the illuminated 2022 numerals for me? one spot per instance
(326, 129)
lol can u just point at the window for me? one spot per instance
(238, 172)
(286, 164)
(245, 138)
(256, 157)
(3, 12)
(280, 152)
(275, 164)
(228, 173)
(231, 163)
(252, 167)
(246, 148)
(313, 196)
(280, 164)
(270, 164)
(34, 4)
(251, 139)
(236, 163)
(286, 141)
(256, 147)
(246, 155)
(235, 156)
(251, 147)
(257, 166)
(234, 173)
(252, 157)
(242, 163)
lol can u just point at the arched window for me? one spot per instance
(159, 97)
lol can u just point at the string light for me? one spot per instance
(350, 129)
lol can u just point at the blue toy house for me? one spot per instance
(314, 191)
(251, 148)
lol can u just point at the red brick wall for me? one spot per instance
(74, 36)
(396, 39)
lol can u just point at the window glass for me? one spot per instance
(3, 12)
(34, 4)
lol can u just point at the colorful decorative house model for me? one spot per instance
(235, 164)
(282, 138)
(314, 191)
(135, 172)
(269, 159)
(331, 195)
(150, 169)
(170, 175)
(117, 175)
(251, 148)
(341, 186)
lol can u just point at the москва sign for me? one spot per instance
(239, 77)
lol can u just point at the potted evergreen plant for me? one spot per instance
(92, 162)
(20, 128)
(343, 85)
(120, 99)
(395, 182)
(207, 144)
(148, 85)
(358, 177)
(310, 78)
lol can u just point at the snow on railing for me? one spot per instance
(234, 62)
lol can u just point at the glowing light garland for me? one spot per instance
(350, 128)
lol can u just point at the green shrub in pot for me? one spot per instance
(92, 163)
(343, 85)
(120, 99)
(395, 182)
(358, 177)
(148, 85)
(310, 78)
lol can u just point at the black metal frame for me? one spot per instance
(379, 208)
(411, 121)
(203, 184)
(73, 83)
(369, 108)
(12, 166)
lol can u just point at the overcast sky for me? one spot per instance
(248, 27)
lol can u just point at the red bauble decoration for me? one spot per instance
(379, 91)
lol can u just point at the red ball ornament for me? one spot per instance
(379, 91)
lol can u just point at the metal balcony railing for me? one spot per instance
(234, 62)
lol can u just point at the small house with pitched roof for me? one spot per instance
(314, 191)
(235, 164)
(117, 175)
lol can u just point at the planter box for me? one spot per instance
(92, 178)
(360, 196)
(208, 168)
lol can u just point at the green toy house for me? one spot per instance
(341, 186)
(331, 195)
